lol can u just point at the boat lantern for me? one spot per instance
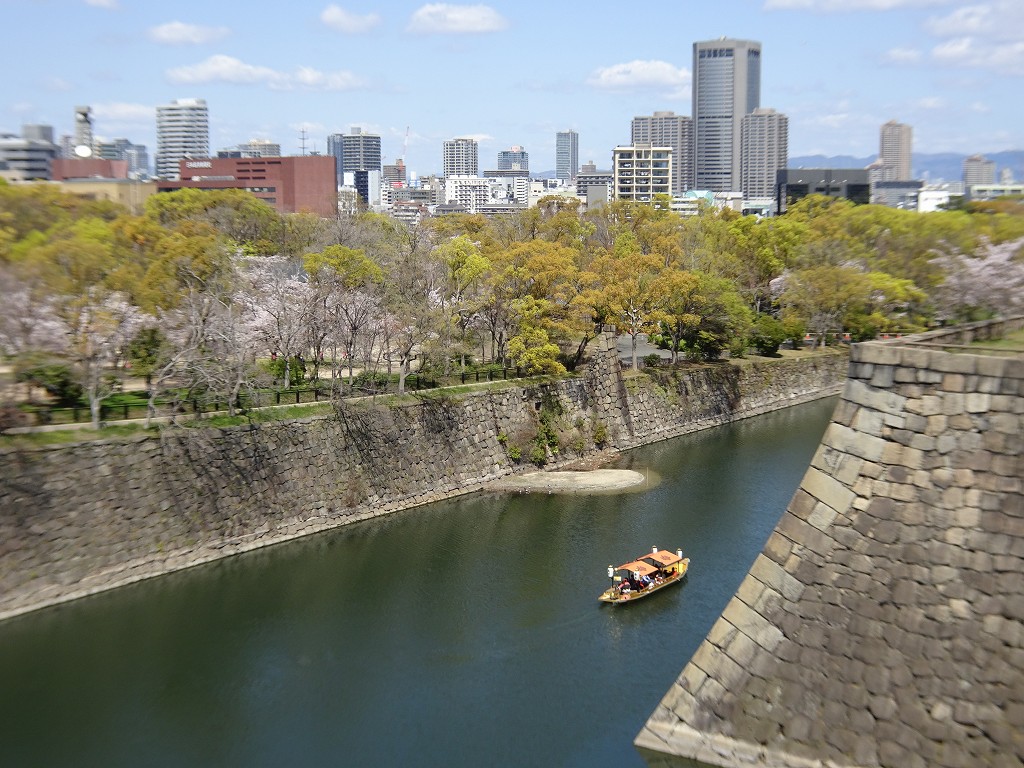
(679, 554)
(654, 550)
(611, 571)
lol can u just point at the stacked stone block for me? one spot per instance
(883, 623)
(82, 518)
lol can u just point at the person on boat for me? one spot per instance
(645, 581)
(624, 587)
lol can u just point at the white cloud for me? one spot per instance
(123, 112)
(179, 33)
(997, 20)
(442, 18)
(981, 36)
(227, 69)
(339, 19)
(479, 138)
(57, 84)
(829, 6)
(902, 55)
(1006, 58)
(108, 4)
(642, 74)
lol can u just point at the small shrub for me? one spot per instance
(579, 445)
(538, 453)
(296, 370)
(502, 438)
(767, 335)
(370, 381)
(600, 434)
(515, 452)
(56, 378)
(652, 360)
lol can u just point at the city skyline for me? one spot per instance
(421, 74)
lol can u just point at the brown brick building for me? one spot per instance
(290, 184)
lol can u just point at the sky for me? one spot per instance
(512, 72)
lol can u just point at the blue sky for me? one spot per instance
(513, 72)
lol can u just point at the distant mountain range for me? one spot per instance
(947, 166)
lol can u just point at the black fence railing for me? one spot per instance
(198, 406)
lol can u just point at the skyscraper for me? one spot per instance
(978, 170)
(895, 151)
(567, 155)
(360, 151)
(514, 159)
(764, 150)
(667, 129)
(726, 86)
(182, 130)
(461, 158)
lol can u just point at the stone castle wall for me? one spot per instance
(882, 622)
(81, 518)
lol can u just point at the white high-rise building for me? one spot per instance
(471, 192)
(461, 157)
(895, 151)
(667, 129)
(978, 170)
(567, 155)
(641, 171)
(764, 149)
(726, 86)
(182, 130)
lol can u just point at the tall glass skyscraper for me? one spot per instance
(182, 130)
(726, 86)
(567, 155)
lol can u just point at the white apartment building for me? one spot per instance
(471, 192)
(461, 158)
(641, 171)
(182, 130)
(667, 129)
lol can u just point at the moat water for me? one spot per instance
(465, 633)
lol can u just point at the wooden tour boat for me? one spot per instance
(645, 575)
